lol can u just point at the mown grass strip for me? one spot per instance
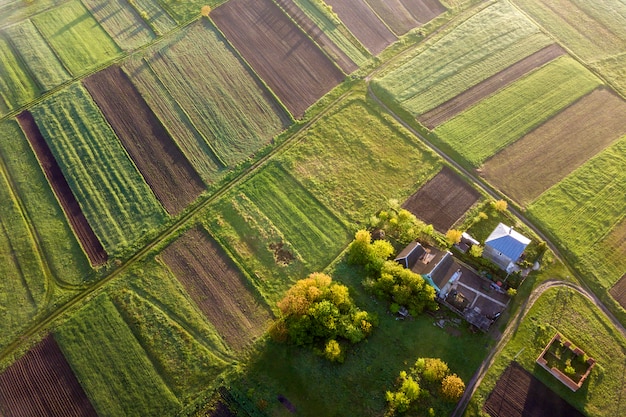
(118, 204)
(113, 369)
(316, 234)
(16, 85)
(501, 119)
(63, 253)
(481, 46)
(40, 59)
(76, 37)
(151, 12)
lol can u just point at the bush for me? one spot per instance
(500, 205)
(333, 351)
(453, 236)
(452, 388)
(435, 370)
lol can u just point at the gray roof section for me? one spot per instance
(506, 240)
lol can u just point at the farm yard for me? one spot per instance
(218, 287)
(549, 153)
(42, 383)
(294, 68)
(481, 46)
(162, 164)
(499, 120)
(118, 204)
(364, 24)
(443, 200)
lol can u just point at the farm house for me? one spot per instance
(505, 246)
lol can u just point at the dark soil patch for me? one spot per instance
(466, 99)
(404, 15)
(41, 383)
(75, 216)
(217, 286)
(281, 255)
(520, 394)
(163, 165)
(364, 24)
(281, 54)
(442, 200)
(618, 291)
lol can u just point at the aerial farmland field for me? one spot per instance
(115, 199)
(17, 85)
(404, 15)
(294, 68)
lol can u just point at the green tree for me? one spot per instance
(453, 236)
(333, 352)
(435, 370)
(500, 205)
(359, 249)
(476, 251)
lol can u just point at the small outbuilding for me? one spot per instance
(505, 246)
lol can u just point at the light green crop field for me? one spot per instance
(43, 64)
(582, 210)
(111, 365)
(574, 316)
(476, 49)
(184, 11)
(153, 14)
(13, 11)
(64, 256)
(614, 68)
(314, 232)
(356, 158)
(214, 93)
(76, 37)
(335, 30)
(121, 22)
(117, 202)
(16, 85)
(501, 119)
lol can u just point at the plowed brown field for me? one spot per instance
(77, 220)
(281, 54)
(466, 99)
(442, 200)
(41, 383)
(324, 42)
(519, 394)
(548, 154)
(404, 15)
(217, 286)
(618, 291)
(164, 167)
(364, 24)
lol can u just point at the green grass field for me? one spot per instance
(16, 85)
(153, 14)
(111, 365)
(581, 322)
(115, 199)
(335, 30)
(47, 70)
(13, 11)
(317, 387)
(315, 233)
(355, 159)
(184, 11)
(123, 24)
(203, 83)
(501, 119)
(76, 37)
(479, 47)
(65, 257)
(582, 210)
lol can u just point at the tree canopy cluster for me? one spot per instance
(401, 226)
(424, 385)
(316, 310)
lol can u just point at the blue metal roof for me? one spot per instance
(507, 241)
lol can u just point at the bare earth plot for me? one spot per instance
(164, 167)
(41, 383)
(548, 154)
(519, 394)
(89, 241)
(217, 286)
(442, 200)
(466, 99)
(364, 24)
(282, 55)
(404, 15)
(324, 42)
(618, 291)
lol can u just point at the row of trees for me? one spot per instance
(427, 382)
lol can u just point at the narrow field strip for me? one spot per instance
(404, 15)
(164, 167)
(16, 85)
(41, 383)
(36, 53)
(110, 364)
(499, 120)
(112, 194)
(82, 229)
(218, 287)
(152, 13)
